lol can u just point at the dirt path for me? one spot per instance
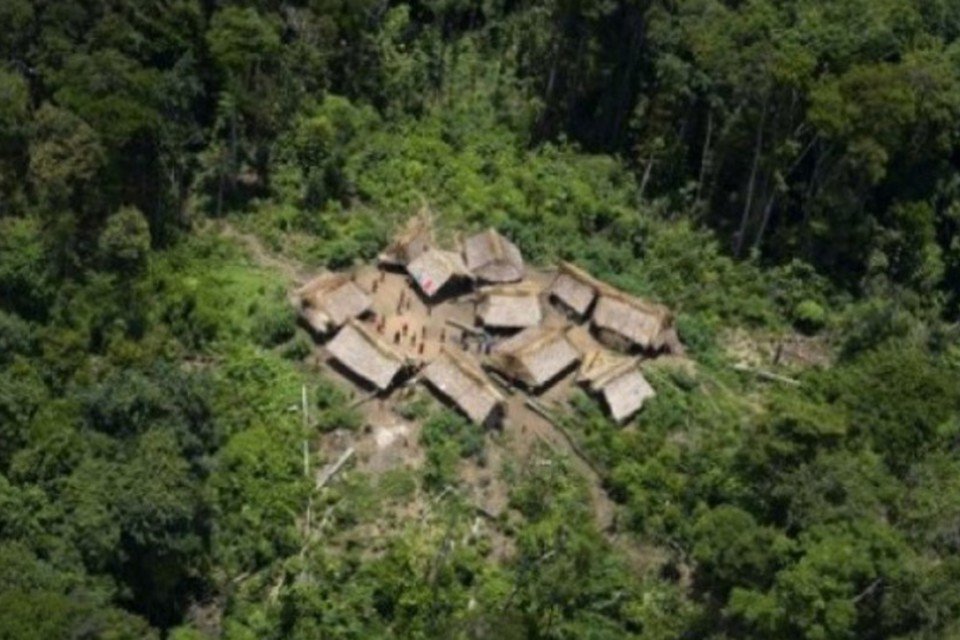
(535, 427)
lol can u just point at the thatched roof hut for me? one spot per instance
(493, 258)
(617, 380)
(329, 300)
(625, 322)
(433, 269)
(413, 239)
(461, 382)
(510, 307)
(535, 356)
(600, 365)
(575, 289)
(365, 355)
(625, 394)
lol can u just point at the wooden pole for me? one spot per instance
(332, 470)
(306, 424)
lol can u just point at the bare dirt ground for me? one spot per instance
(418, 330)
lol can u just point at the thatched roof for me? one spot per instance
(625, 393)
(581, 338)
(600, 366)
(493, 258)
(535, 356)
(461, 382)
(366, 355)
(669, 341)
(414, 238)
(434, 268)
(510, 307)
(575, 288)
(329, 300)
(637, 321)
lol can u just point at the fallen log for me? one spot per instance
(331, 470)
(766, 375)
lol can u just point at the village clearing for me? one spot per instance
(401, 323)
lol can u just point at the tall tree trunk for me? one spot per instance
(705, 159)
(767, 210)
(748, 204)
(624, 98)
(646, 178)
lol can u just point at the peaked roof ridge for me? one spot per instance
(375, 342)
(322, 282)
(471, 370)
(616, 371)
(524, 288)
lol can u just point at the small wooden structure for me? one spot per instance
(462, 383)
(535, 357)
(510, 307)
(330, 300)
(618, 380)
(366, 355)
(435, 269)
(574, 290)
(492, 258)
(626, 322)
(413, 239)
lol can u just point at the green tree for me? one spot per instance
(125, 242)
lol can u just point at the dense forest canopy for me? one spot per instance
(777, 171)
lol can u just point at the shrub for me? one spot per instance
(298, 348)
(335, 410)
(273, 325)
(417, 408)
(809, 316)
(447, 426)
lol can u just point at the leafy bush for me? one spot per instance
(335, 410)
(299, 348)
(125, 241)
(447, 426)
(416, 408)
(448, 437)
(273, 324)
(809, 316)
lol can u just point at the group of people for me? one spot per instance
(483, 343)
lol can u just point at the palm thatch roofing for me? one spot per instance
(329, 300)
(413, 239)
(575, 288)
(636, 321)
(625, 393)
(493, 258)
(465, 385)
(535, 356)
(618, 380)
(434, 268)
(600, 366)
(510, 307)
(364, 354)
